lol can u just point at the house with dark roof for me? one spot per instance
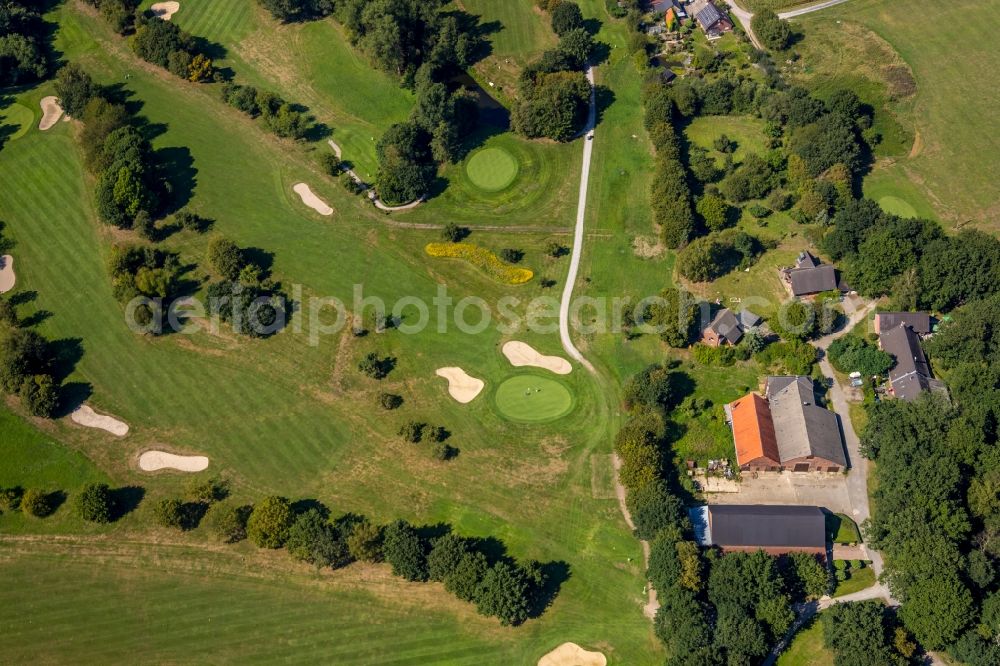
(911, 375)
(786, 430)
(728, 328)
(775, 529)
(810, 277)
(920, 322)
(711, 20)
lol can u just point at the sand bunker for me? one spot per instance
(462, 387)
(88, 418)
(165, 10)
(311, 200)
(521, 354)
(152, 461)
(7, 277)
(51, 112)
(571, 654)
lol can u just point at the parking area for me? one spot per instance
(804, 488)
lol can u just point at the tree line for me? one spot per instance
(25, 53)
(554, 94)
(912, 260)
(29, 363)
(936, 503)
(476, 570)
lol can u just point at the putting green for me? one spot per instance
(897, 206)
(18, 119)
(532, 398)
(492, 169)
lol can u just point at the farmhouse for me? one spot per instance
(911, 375)
(774, 529)
(786, 430)
(728, 328)
(711, 20)
(810, 277)
(920, 322)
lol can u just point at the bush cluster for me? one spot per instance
(28, 365)
(280, 117)
(24, 52)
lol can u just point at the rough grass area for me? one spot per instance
(932, 84)
(530, 398)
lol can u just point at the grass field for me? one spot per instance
(954, 146)
(530, 398)
(491, 169)
(748, 133)
(842, 529)
(15, 121)
(283, 416)
(807, 648)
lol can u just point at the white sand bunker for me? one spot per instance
(87, 417)
(462, 387)
(51, 112)
(571, 654)
(153, 461)
(521, 354)
(7, 277)
(311, 200)
(165, 10)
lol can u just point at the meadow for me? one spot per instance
(939, 121)
(283, 416)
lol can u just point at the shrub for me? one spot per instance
(454, 233)
(511, 255)
(36, 503)
(364, 543)
(412, 431)
(482, 259)
(40, 394)
(375, 366)
(269, 522)
(404, 551)
(390, 401)
(94, 503)
(10, 498)
(192, 221)
(225, 257)
(443, 452)
(229, 521)
(312, 539)
(352, 186)
(213, 489)
(170, 513)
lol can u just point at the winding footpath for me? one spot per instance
(371, 192)
(578, 235)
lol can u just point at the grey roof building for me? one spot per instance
(920, 322)
(803, 430)
(811, 277)
(911, 375)
(775, 529)
(729, 327)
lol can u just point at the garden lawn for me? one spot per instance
(747, 132)
(861, 579)
(807, 648)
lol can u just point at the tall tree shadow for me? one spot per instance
(125, 500)
(177, 166)
(555, 573)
